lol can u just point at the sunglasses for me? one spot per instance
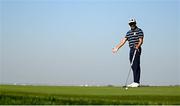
(132, 23)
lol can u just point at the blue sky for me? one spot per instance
(69, 42)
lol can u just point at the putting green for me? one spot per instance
(13, 94)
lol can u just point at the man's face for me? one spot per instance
(132, 25)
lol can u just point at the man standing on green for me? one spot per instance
(135, 38)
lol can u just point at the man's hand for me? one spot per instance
(136, 47)
(114, 50)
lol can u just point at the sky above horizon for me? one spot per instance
(69, 42)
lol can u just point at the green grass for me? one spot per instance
(68, 95)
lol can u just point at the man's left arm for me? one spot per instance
(140, 43)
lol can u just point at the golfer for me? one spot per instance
(135, 38)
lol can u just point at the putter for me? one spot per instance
(125, 86)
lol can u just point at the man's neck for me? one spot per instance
(134, 28)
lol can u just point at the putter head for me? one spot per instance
(124, 86)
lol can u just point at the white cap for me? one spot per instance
(132, 20)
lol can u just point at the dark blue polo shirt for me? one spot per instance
(133, 36)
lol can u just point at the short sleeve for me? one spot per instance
(141, 34)
(127, 35)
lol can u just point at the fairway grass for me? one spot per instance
(76, 95)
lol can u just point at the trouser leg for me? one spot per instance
(136, 64)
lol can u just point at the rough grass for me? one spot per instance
(74, 95)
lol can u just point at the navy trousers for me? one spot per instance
(136, 64)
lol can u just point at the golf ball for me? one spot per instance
(126, 88)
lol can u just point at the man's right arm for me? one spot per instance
(123, 41)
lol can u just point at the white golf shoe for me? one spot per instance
(133, 85)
